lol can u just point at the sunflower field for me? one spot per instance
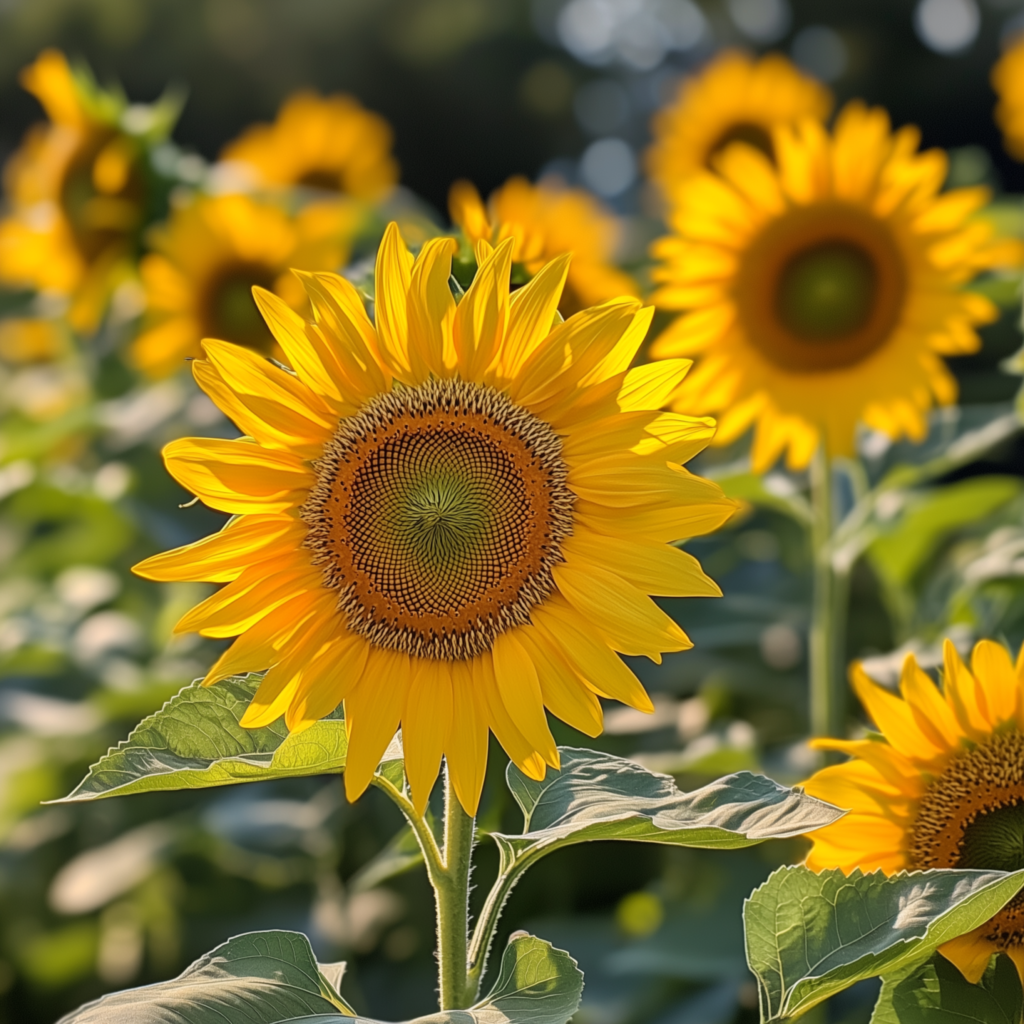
(511, 511)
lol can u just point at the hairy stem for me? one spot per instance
(452, 895)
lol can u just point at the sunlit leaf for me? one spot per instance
(811, 935)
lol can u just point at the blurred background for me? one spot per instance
(99, 897)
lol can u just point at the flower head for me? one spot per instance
(76, 190)
(207, 259)
(734, 99)
(942, 788)
(544, 221)
(330, 143)
(449, 518)
(824, 289)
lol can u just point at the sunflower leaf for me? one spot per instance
(598, 796)
(811, 935)
(272, 977)
(258, 978)
(195, 741)
(935, 992)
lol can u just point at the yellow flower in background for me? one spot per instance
(734, 99)
(547, 220)
(75, 192)
(1008, 82)
(205, 263)
(449, 519)
(943, 789)
(824, 290)
(325, 142)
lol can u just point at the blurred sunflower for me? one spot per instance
(207, 260)
(449, 520)
(330, 143)
(943, 789)
(76, 190)
(545, 221)
(1008, 82)
(823, 290)
(734, 99)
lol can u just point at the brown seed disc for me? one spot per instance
(972, 816)
(438, 515)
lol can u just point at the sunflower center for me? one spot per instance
(821, 287)
(321, 178)
(231, 311)
(827, 291)
(743, 131)
(972, 816)
(438, 515)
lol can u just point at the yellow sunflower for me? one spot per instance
(545, 221)
(1008, 82)
(325, 142)
(75, 192)
(824, 289)
(734, 99)
(207, 259)
(943, 789)
(450, 519)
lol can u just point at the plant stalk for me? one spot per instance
(452, 895)
(828, 692)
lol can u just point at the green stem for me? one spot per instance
(828, 694)
(452, 896)
(487, 924)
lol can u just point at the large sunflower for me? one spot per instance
(1008, 82)
(547, 220)
(824, 289)
(208, 257)
(734, 99)
(325, 142)
(449, 519)
(943, 789)
(75, 191)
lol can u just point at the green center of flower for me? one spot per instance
(827, 292)
(995, 841)
(437, 516)
(231, 311)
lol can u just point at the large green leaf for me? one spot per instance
(811, 935)
(935, 992)
(272, 977)
(259, 978)
(598, 796)
(195, 741)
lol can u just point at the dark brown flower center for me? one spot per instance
(438, 515)
(230, 311)
(755, 135)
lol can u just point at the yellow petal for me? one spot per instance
(531, 314)
(468, 739)
(964, 695)
(391, 289)
(326, 680)
(519, 689)
(970, 953)
(930, 711)
(432, 310)
(564, 693)
(651, 386)
(466, 209)
(991, 666)
(482, 315)
(893, 717)
(522, 753)
(426, 726)
(372, 713)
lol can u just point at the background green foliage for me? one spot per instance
(99, 895)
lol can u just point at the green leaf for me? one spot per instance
(272, 977)
(811, 935)
(259, 978)
(927, 519)
(195, 741)
(598, 796)
(935, 992)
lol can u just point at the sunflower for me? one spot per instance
(75, 190)
(207, 259)
(1008, 82)
(942, 788)
(449, 519)
(324, 142)
(545, 221)
(734, 99)
(823, 290)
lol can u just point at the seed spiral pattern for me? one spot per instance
(972, 816)
(437, 516)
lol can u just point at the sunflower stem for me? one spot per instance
(451, 891)
(828, 712)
